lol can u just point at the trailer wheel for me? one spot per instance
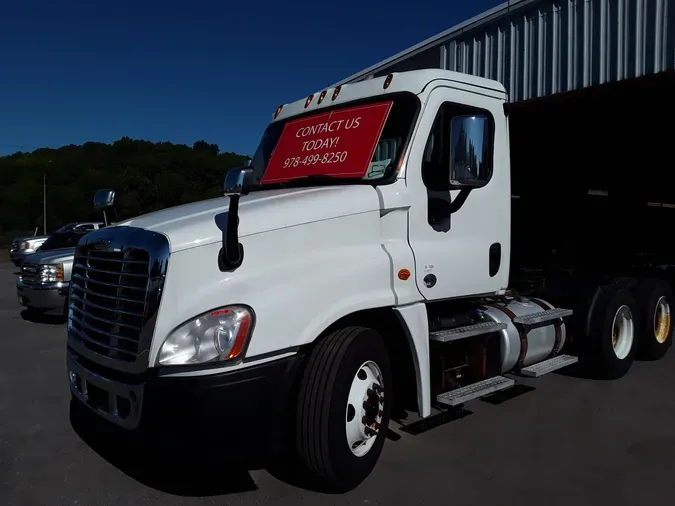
(343, 407)
(614, 331)
(656, 303)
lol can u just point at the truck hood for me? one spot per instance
(54, 256)
(201, 223)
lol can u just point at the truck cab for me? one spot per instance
(359, 265)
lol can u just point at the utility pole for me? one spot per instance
(44, 204)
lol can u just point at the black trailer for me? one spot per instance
(593, 206)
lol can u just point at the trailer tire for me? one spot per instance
(347, 365)
(614, 328)
(656, 302)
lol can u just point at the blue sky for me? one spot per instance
(74, 71)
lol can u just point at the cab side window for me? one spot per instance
(459, 150)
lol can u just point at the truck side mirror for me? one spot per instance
(103, 200)
(470, 151)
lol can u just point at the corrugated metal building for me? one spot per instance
(541, 47)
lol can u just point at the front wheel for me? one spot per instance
(344, 406)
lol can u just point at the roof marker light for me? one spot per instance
(336, 92)
(387, 81)
(308, 101)
(322, 96)
(276, 114)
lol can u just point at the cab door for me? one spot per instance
(458, 174)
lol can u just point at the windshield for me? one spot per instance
(358, 142)
(61, 240)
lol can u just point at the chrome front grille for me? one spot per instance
(29, 274)
(116, 285)
(108, 300)
(15, 246)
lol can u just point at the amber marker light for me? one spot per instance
(242, 335)
(387, 81)
(336, 92)
(404, 274)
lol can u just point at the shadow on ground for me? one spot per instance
(170, 470)
(34, 316)
(508, 394)
(199, 471)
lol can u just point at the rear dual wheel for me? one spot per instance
(629, 320)
(614, 332)
(655, 299)
(343, 407)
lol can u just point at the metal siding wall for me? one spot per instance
(554, 46)
(569, 44)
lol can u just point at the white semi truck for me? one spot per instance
(358, 266)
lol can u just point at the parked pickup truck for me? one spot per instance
(23, 246)
(45, 275)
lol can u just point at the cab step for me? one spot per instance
(477, 329)
(475, 390)
(547, 366)
(542, 316)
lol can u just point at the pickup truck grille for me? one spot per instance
(116, 285)
(15, 246)
(29, 274)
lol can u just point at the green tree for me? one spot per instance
(147, 176)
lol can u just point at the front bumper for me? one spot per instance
(247, 409)
(47, 297)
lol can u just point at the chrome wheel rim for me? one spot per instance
(623, 330)
(662, 320)
(365, 407)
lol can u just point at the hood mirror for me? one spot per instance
(237, 183)
(103, 200)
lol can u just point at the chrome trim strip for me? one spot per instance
(166, 372)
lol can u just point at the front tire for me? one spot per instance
(343, 407)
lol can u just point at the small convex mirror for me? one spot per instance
(469, 138)
(104, 199)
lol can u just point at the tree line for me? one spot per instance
(146, 175)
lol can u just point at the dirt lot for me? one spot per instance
(567, 441)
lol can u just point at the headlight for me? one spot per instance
(51, 273)
(218, 335)
(25, 245)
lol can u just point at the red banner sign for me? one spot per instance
(338, 143)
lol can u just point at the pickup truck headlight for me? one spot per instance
(51, 273)
(218, 335)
